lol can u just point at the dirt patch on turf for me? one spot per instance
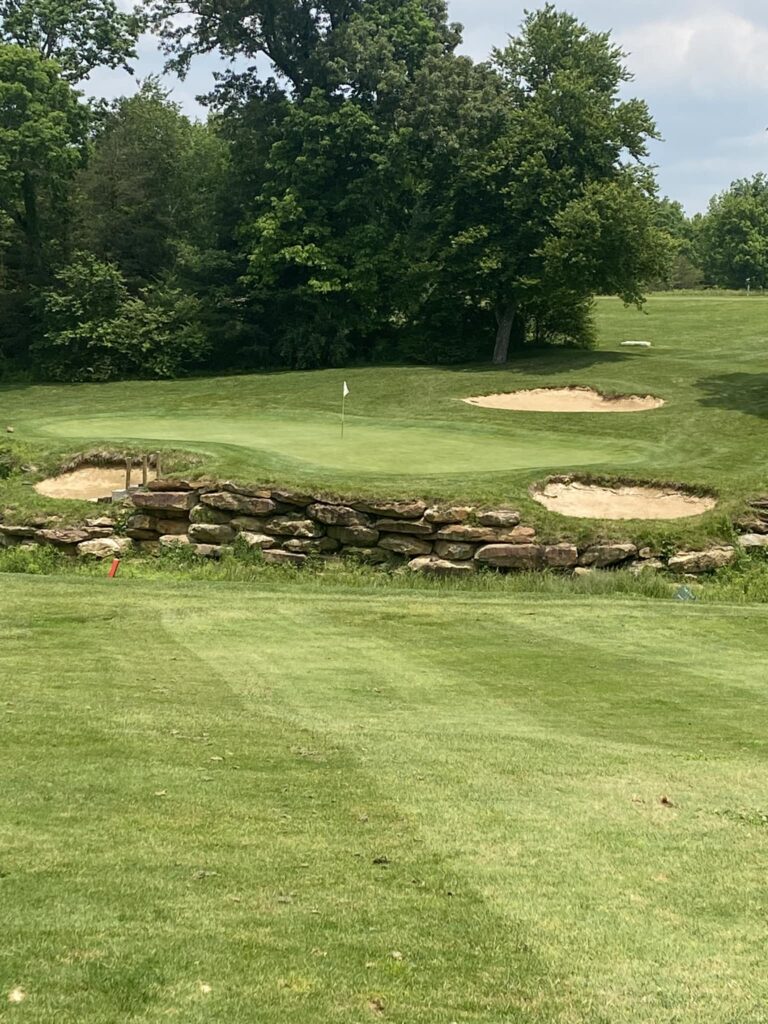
(571, 399)
(87, 483)
(572, 497)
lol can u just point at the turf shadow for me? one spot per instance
(743, 392)
(544, 361)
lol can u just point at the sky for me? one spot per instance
(702, 66)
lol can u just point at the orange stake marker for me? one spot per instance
(114, 567)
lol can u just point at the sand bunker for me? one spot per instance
(624, 501)
(574, 399)
(88, 483)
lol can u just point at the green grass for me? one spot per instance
(408, 432)
(336, 804)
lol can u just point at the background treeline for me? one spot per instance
(358, 192)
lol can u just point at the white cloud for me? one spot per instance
(708, 54)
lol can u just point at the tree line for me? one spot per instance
(358, 191)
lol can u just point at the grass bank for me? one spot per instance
(408, 432)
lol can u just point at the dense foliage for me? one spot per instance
(359, 191)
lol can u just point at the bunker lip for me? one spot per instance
(86, 483)
(619, 499)
(575, 398)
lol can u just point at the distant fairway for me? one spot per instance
(316, 801)
(408, 430)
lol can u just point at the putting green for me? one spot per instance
(368, 446)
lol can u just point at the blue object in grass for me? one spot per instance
(685, 594)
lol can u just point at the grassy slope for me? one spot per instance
(199, 780)
(408, 432)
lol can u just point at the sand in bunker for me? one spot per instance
(596, 501)
(565, 400)
(87, 483)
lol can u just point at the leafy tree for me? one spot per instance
(151, 183)
(685, 270)
(523, 170)
(95, 330)
(328, 45)
(733, 236)
(42, 143)
(80, 34)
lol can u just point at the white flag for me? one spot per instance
(344, 390)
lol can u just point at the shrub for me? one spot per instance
(94, 330)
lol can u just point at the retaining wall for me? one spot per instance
(289, 527)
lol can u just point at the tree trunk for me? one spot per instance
(504, 318)
(510, 333)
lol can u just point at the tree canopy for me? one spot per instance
(80, 34)
(358, 192)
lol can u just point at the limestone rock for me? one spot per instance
(226, 501)
(206, 514)
(499, 517)
(175, 527)
(416, 527)
(695, 562)
(337, 515)
(753, 524)
(250, 524)
(101, 522)
(582, 570)
(511, 556)
(62, 538)
(447, 514)
(516, 535)
(248, 492)
(639, 566)
(171, 484)
(207, 550)
(602, 555)
(211, 533)
(275, 556)
(454, 551)
(393, 509)
(293, 526)
(441, 566)
(105, 547)
(257, 540)
(22, 532)
(169, 504)
(142, 523)
(356, 536)
(561, 556)
(404, 545)
(468, 534)
(371, 556)
(290, 497)
(144, 527)
(323, 546)
(97, 532)
(173, 540)
(649, 553)
(753, 541)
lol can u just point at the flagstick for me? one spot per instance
(343, 401)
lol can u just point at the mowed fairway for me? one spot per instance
(301, 803)
(408, 430)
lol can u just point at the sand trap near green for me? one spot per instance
(367, 447)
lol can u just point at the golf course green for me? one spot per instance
(300, 802)
(408, 430)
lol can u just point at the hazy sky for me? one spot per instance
(702, 66)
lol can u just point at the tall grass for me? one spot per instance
(746, 582)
